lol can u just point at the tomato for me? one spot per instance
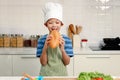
(97, 79)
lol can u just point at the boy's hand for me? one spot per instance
(62, 43)
(47, 41)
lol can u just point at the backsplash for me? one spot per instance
(99, 18)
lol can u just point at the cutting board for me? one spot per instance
(60, 78)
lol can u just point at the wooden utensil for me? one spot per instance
(71, 26)
(70, 34)
(28, 76)
(78, 29)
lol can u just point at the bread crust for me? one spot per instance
(54, 41)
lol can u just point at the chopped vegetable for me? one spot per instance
(93, 76)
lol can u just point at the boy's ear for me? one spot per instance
(45, 24)
(62, 24)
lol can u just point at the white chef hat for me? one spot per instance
(52, 10)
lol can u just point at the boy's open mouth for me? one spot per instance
(54, 29)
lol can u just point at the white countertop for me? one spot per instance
(19, 77)
(32, 51)
(10, 78)
(12, 51)
(88, 51)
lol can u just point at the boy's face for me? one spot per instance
(53, 24)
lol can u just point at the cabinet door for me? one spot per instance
(70, 67)
(5, 65)
(25, 63)
(102, 63)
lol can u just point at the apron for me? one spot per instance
(55, 66)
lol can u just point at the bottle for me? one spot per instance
(1, 40)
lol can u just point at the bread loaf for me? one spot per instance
(54, 42)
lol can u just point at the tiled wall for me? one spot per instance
(99, 19)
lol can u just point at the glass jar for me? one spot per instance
(33, 41)
(27, 41)
(1, 40)
(6, 39)
(19, 40)
(13, 40)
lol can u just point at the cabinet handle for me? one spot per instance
(98, 57)
(28, 57)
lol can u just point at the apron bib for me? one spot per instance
(55, 66)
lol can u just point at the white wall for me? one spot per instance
(26, 16)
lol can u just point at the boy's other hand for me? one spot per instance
(47, 41)
(62, 43)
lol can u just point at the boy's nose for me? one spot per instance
(54, 25)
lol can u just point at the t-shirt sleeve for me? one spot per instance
(68, 46)
(40, 45)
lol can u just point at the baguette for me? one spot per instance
(54, 42)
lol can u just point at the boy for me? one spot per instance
(54, 61)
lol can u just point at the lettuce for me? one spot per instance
(84, 76)
(91, 75)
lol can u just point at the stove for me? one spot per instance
(111, 44)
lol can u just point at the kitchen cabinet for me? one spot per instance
(5, 65)
(102, 63)
(70, 67)
(31, 65)
(25, 63)
(15, 61)
(16, 65)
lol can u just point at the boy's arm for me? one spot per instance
(41, 50)
(65, 57)
(67, 49)
(43, 57)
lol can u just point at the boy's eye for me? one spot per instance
(50, 22)
(57, 22)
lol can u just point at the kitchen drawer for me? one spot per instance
(102, 63)
(5, 65)
(25, 63)
(70, 67)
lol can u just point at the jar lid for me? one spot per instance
(84, 40)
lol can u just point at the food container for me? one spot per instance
(19, 40)
(76, 40)
(84, 43)
(6, 39)
(27, 41)
(13, 40)
(33, 41)
(1, 40)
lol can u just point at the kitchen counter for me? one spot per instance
(18, 51)
(32, 51)
(45, 78)
(88, 51)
